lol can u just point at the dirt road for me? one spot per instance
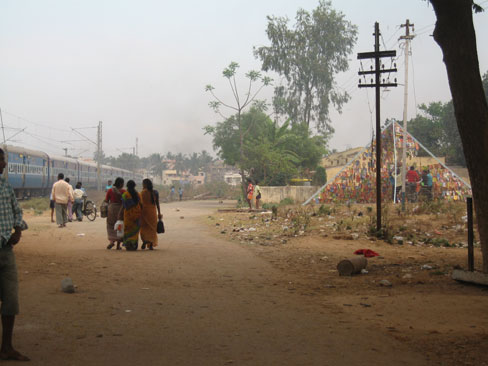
(195, 300)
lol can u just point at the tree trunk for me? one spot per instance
(241, 154)
(454, 32)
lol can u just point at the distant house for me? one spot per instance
(172, 177)
(218, 171)
(233, 179)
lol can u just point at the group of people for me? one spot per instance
(140, 213)
(172, 193)
(414, 183)
(253, 190)
(65, 200)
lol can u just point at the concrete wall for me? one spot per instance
(298, 194)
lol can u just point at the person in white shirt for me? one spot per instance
(78, 194)
(62, 194)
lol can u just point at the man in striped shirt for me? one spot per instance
(10, 219)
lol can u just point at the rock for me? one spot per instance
(385, 283)
(324, 258)
(67, 285)
(355, 236)
(426, 266)
(364, 271)
(407, 276)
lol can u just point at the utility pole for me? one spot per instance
(65, 151)
(378, 70)
(407, 37)
(99, 156)
(137, 146)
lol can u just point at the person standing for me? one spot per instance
(131, 214)
(180, 193)
(70, 203)
(78, 194)
(412, 178)
(257, 191)
(61, 195)
(172, 193)
(149, 219)
(427, 184)
(249, 192)
(10, 218)
(108, 186)
(114, 200)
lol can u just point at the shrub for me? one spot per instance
(286, 201)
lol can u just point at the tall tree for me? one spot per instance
(308, 56)
(156, 165)
(455, 34)
(435, 127)
(241, 103)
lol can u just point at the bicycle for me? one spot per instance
(411, 192)
(89, 209)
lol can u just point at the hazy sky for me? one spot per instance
(141, 67)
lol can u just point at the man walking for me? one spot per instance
(62, 194)
(10, 218)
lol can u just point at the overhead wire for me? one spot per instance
(34, 123)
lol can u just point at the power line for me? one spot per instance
(34, 123)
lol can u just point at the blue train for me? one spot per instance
(32, 173)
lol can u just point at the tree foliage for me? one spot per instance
(308, 56)
(436, 128)
(256, 82)
(273, 154)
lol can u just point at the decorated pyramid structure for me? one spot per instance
(356, 182)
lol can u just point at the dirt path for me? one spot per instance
(196, 300)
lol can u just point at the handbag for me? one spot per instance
(160, 227)
(119, 228)
(104, 209)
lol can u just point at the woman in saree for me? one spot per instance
(114, 200)
(131, 213)
(149, 218)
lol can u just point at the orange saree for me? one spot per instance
(149, 219)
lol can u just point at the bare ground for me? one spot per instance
(202, 299)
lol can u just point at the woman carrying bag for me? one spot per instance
(113, 200)
(151, 215)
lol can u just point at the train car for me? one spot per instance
(65, 165)
(27, 171)
(88, 174)
(32, 173)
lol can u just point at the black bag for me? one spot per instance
(160, 228)
(104, 209)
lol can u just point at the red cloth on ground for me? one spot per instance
(368, 253)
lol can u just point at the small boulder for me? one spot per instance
(67, 285)
(385, 283)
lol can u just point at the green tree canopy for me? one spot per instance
(273, 154)
(437, 130)
(308, 56)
